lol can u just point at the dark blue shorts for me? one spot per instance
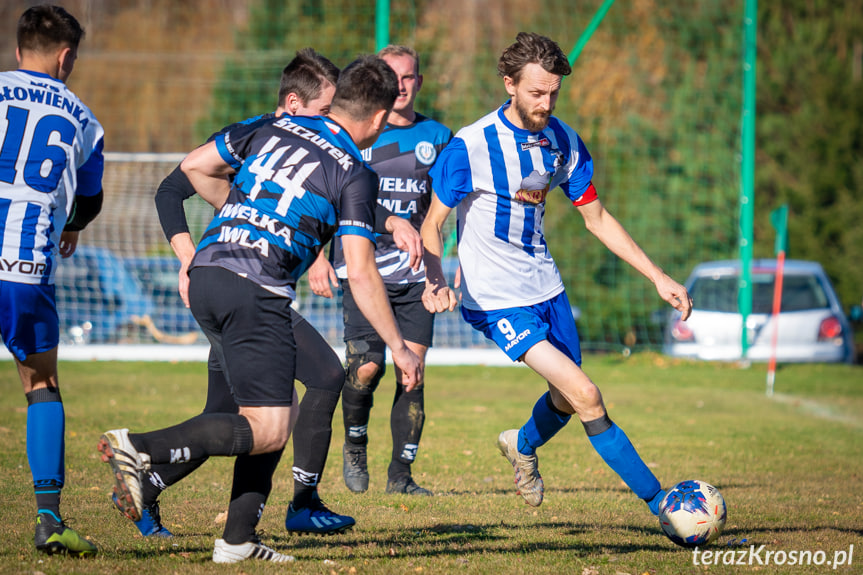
(515, 330)
(28, 318)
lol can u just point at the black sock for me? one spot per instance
(48, 497)
(253, 480)
(163, 475)
(312, 434)
(596, 426)
(398, 470)
(358, 397)
(203, 436)
(356, 407)
(406, 424)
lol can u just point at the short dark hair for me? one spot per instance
(305, 76)
(365, 86)
(46, 27)
(532, 48)
(398, 50)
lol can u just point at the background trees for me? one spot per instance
(656, 95)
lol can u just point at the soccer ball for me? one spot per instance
(692, 513)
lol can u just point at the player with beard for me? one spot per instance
(498, 171)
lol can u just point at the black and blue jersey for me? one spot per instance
(299, 182)
(402, 157)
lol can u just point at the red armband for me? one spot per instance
(588, 196)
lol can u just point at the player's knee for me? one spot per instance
(592, 397)
(268, 440)
(559, 402)
(589, 403)
(364, 377)
(329, 377)
(270, 427)
(365, 364)
(583, 398)
(401, 386)
(334, 375)
(368, 372)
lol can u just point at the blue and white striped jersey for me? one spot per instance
(402, 157)
(499, 175)
(50, 151)
(299, 182)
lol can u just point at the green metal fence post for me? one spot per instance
(747, 175)
(588, 32)
(382, 24)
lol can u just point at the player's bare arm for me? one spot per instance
(438, 296)
(184, 249)
(676, 295)
(407, 239)
(322, 276)
(371, 297)
(208, 173)
(610, 232)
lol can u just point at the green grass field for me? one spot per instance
(790, 468)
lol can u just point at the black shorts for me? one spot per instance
(250, 332)
(415, 323)
(318, 365)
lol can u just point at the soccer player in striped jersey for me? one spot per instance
(306, 89)
(498, 171)
(50, 189)
(402, 157)
(282, 187)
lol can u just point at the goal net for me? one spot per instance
(121, 285)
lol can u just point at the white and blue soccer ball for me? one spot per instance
(692, 513)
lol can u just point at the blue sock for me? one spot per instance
(617, 451)
(46, 427)
(544, 423)
(655, 501)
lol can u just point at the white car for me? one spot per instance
(812, 326)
